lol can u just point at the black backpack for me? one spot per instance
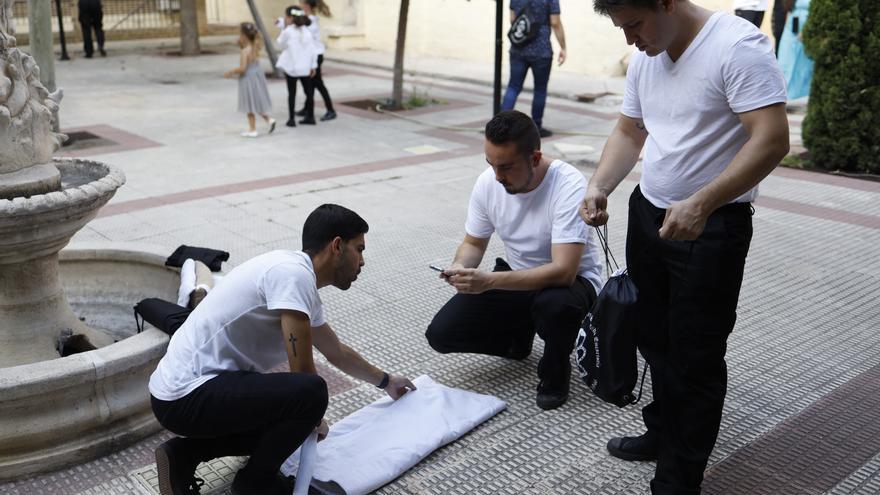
(606, 343)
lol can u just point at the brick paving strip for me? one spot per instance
(812, 451)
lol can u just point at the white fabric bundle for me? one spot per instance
(378, 443)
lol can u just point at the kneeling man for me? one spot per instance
(554, 269)
(213, 386)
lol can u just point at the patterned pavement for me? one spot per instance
(802, 409)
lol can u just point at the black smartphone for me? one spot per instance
(436, 268)
(795, 25)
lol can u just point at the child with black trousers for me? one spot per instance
(299, 61)
(312, 8)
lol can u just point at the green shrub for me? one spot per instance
(842, 126)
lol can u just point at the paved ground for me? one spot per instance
(802, 409)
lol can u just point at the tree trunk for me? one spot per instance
(267, 40)
(397, 89)
(189, 28)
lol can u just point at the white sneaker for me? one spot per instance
(271, 125)
(249, 134)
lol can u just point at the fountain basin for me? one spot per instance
(33, 307)
(67, 410)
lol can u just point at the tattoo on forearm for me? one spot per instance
(640, 126)
(293, 344)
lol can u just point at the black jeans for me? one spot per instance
(266, 416)
(688, 292)
(309, 89)
(91, 17)
(503, 323)
(318, 83)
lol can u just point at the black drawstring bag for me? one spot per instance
(164, 315)
(606, 343)
(210, 257)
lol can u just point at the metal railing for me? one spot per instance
(131, 16)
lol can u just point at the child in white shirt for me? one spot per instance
(298, 60)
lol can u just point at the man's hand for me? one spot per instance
(445, 274)
(322, 429)
(561, 56)
(312, 73)
(470, 280)
(684, 221)
(398, 386)
(593, 209)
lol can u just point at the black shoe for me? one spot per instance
(278, 485)
(554, 394)
(88, 55)
(330, 115)
(545, 132)
(641, 448)
(301, 113)
(291, 123)
(176, 469)
(308, 121)
(103, 52)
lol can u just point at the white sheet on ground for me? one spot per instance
(378, 443)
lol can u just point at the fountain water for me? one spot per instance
(57, 410)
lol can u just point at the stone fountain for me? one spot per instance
(57, 410)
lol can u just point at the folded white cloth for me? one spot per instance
(378, 443)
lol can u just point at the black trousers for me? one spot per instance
(688, 292)
(266, 416)
(91, 17)
(318, 82)
(777, 21)
(503, 323)
(756, 17)
(309, 90)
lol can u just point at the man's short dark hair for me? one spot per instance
(606, 7)
(514, 126)
(328, 222)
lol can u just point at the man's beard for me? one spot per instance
(524, 187)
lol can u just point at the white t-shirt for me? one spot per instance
(315, 29)
(689, 107)
(299, 55)
(530, 223)
(759, 5)
(238, 325)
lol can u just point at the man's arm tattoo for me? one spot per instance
(293, 344)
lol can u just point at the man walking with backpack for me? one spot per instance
(531, 21)
(706, 100)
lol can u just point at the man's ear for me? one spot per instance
(667, 6)
(536, 158)
(336, 245)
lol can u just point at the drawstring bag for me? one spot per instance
(606, 343)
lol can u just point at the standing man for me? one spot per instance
(91, 16)
(705, 99)
(214, 388)
(751, 10)
(535, 54)
(554, 271)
